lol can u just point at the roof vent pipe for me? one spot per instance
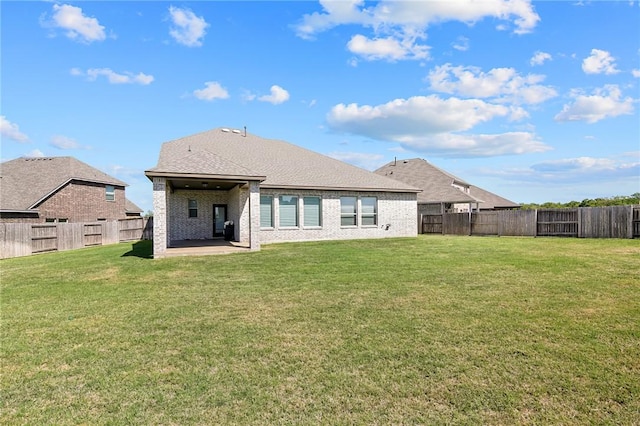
(245, 131)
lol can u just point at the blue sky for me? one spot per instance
(535, 101)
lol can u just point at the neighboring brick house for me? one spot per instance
(442, 192)
(272, 191)
(60, 189)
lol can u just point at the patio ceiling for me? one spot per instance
(204, 184)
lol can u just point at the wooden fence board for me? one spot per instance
(558, 223)
(110, 233)
(432, 224)
(134, 229)
(44, 238)
(517, 223)
(24, 239)
(584, 222)
(15, 240)
(70, 236)
(606, 222)
(484, 223)
(456, 224)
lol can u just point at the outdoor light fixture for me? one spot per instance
(205, 185)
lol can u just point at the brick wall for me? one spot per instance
(397, 210)
(397, 216)
(181, 226)
(83, 202)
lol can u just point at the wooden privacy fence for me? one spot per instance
(24, 239)
(582, 222)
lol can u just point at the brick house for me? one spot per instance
(272, 191)
(60, 189)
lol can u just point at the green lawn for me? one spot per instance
(431, 330)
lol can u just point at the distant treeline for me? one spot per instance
(619, 200)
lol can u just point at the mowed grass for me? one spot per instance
(431, 330)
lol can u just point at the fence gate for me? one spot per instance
(432, 224)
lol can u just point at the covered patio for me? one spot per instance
(205, 247)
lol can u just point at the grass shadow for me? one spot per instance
(142, 249)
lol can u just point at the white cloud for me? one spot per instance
(433, 125)
(278, 95)
(604, 103)
(397, 25)
(503, 84)
(213, 90)
(539, 58)
(577, 170)
(599, 62)
(635, 73)
(412, 15)
(421, 114)
(113, 77)
(36, 153)
(64, 143)
(366, 161)
(188, 29)
(77, 25)
(477, 145)
(388, 48)
(11, 130)
(461, 44)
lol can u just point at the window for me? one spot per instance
(312, 211)
(348, 211)
(64, 220)
(369, 211)
(288, 211)
(110, 193)
(193, 208)
(50, 220)
(266, 211)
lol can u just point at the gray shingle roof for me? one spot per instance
(436, 184)
(280, 164)
(491, 200)
(131, 207)
(26, 181)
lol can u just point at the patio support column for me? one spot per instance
(159, 217)
(254, 213)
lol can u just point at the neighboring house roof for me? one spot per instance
(131, 207)
(26, 182)
(491, 200)
(435, 183)
(224, 153)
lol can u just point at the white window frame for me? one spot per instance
(110, 193)
(349, 215)
(271, 212)
(365, 214)
(296, 217)
(190, 208)
(307, 209)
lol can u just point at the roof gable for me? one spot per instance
(26, 181)
(282, 164)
